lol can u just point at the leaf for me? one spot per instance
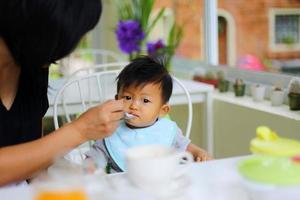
(157, 17)
(146, 9)
(175, 35)
(136, 10)
(174, 38)
(143, 10)
(125, 10)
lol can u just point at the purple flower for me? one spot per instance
(129, 34)
(154, 47)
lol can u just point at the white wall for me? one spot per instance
(234, 127)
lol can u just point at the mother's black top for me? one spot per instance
(23, 121)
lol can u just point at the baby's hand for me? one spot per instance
(203, 156)
(199, 154)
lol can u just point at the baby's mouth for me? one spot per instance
(128, 116)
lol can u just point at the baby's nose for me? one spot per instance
(134, 104)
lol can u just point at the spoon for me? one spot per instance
(128, 116)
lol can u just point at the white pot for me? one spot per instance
(258, 93)
(277, 97)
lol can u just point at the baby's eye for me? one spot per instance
(146, 101)
(127, 97)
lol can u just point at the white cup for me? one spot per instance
(154, 166)
(258, 92)
(277, 98)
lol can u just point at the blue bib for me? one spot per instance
(162, 132)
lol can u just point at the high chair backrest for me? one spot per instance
(80, 93)
(97, 68)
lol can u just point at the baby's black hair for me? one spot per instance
(144, 70)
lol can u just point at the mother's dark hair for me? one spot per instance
(39, 32)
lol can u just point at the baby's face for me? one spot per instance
(145, 103)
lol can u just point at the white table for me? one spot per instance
(212, 180)
(199, 92)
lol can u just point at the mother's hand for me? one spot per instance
(100, 121)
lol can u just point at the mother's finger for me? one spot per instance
(116, 116)
(109, 128)
(114, 105)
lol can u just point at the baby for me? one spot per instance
(146, 87)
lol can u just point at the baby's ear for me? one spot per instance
(164, 110)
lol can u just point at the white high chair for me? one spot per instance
(97, 68)
(81, 93)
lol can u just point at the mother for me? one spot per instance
(34, 34)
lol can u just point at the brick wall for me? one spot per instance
(251, 22)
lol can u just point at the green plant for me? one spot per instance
(54, 72)
(140, 11)
(174, 38)
(135, 26)
(221, 75)
(223, 85)
(239, 88)
(289, 40)
(209, 75)
(276, 88)
(294, 93)
(239, 82)
(294, 86)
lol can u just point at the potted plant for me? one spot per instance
(277, 96)
(223, 85)
(239, 88)
(208, 78)
(258, 92)
(294, 94)
(288, 40)
(134, 27)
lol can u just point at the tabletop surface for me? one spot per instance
(216, 179)
(212, 180)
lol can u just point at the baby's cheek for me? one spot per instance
(126, 105)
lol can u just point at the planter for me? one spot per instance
(239, 90)
(213, 82)
(258, 92)
(294, 101)
(223, 85)
(277, 97)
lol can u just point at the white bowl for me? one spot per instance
(259, 191)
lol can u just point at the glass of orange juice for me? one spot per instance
(60, 190)
(61, 195)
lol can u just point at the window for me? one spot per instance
(285, 29)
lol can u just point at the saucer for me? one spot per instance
(174, 190)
